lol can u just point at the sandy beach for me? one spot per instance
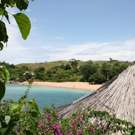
(73, 85)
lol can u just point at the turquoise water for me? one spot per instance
(45, 96)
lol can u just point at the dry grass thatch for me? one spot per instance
(116, 97)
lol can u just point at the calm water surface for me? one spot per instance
(45, 96)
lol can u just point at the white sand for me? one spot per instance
(74, 85)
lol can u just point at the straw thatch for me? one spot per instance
(116, 97)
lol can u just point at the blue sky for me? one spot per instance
(81, 29)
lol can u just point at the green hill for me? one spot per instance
(46, 65)
(73, 70)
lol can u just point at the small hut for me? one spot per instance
(116, 97)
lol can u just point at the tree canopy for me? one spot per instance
(20, 17)
(24, 26)
(90, 71)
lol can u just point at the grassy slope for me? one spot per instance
(48, 65)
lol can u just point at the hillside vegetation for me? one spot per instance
(73, 70)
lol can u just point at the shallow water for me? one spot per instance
(45, 96)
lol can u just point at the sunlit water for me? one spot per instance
(46, 96)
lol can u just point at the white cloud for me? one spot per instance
(123, 50)
(19, 51)
(59, 38)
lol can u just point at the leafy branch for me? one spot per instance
(24, 26)
(21, 19)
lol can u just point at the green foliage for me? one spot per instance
(96, 72)
(86, 122)
(90, 71)
(19, 117)
(2, 89)
(97, 77)
(3, 32)
(4, 74)
(22, 4)
(40, 73)
(74, 64)
(87, 70)
(23, 24)
(21, 19)
(25, 118)
(28, 76)
(4, 77)
(62, 73)
(1, 46)
(3, 35)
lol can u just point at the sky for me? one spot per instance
(80, 29)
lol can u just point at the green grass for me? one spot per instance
(46, 65)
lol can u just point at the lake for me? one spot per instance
(45, 96)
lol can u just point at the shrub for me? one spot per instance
(88, 122)
(25, 118)
(19, 117)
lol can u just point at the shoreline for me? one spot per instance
(73, 85)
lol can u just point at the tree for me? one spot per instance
(40, 73)
(17, 74)
(23, 23)
(106, 69)
(22, 20)
(97, 78)
(4, 76)
(87, 70)
(74, 64)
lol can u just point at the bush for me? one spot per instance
(90, 71)
(25, 118)
(19, 117)
(88, 122)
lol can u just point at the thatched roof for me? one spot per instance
(116, 97)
